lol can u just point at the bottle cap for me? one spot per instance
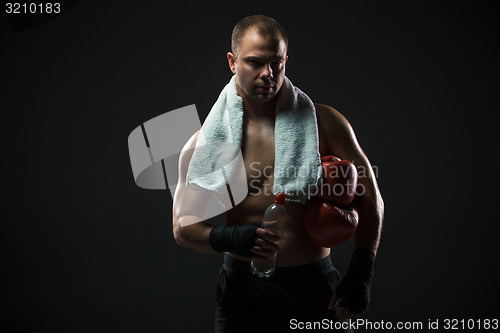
(280, 198)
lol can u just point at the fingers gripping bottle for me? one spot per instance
(275, 213)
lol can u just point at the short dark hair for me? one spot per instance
(263, 24)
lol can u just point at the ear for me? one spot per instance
(231, 59)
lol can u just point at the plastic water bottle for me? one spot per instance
(275, 212)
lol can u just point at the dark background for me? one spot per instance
(86, 250)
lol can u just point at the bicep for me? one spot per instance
(189, 205)
(342, 142)
(346, 146)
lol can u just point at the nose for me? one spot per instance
(267, 72)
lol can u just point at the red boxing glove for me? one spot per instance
(339, 182)
(329, 225)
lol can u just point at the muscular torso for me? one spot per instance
(258, 153)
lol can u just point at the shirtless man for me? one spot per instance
(258, 60)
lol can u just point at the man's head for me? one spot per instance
(258, 55)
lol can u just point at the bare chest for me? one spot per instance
(258, 154)
(258, 149)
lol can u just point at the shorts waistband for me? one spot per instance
(323, 266)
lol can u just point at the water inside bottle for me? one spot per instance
(264, 268)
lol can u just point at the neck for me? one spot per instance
(260, 110)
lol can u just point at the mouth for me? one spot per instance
(265, 88)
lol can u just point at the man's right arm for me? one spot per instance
(193, 230)
(188, 231)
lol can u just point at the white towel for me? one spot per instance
(297, 166)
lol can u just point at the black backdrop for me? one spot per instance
(86, 250)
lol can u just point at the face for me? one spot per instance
(259, 66)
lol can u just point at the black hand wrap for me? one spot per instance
(237, 239)
(355, 287)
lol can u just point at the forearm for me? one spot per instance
(371, 213)
(354, 290)
(239, 239)
(194, 236)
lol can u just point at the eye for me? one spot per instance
(254, 63)
(276, 64)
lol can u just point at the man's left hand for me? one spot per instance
(341, 312)
(353, 292)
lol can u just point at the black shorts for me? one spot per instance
(293, 297)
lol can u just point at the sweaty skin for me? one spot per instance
(259, 66)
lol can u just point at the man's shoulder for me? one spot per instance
(191, 143)
(323, 107)
(333, 126)
(329, 116)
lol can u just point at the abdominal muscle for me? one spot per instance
(296, 247)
